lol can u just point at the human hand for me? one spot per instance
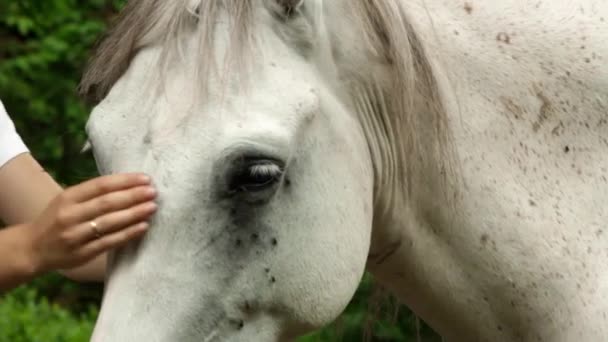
(89, 219)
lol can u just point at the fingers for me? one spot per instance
(115, 201)
(106, 184)
(114, 240)
(115, 221)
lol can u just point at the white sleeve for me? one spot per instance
(11, 144)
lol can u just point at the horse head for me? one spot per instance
(265, 126)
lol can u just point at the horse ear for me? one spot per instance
(289, 6)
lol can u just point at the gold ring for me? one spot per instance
(95, 229)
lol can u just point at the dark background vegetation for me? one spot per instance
(44, 46)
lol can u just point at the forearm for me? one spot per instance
(26, 190)
(17, 268)
(93, 271)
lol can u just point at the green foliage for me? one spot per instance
(44, 46)
(27, 317)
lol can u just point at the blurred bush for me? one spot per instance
(44, 46)
(25, 316)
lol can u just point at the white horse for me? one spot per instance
(458, 150)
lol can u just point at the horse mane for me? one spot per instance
(115, 51)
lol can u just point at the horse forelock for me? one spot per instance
(155, 22)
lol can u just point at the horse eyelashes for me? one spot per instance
(254, 175)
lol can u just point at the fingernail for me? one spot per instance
(145, 178)
(143, 226)
(150, 191)
(151, 207)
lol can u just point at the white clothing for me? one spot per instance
(11, 144)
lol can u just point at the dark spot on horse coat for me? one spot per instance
(559, 129)
(468, 7)
(503, 37)
(242, 216)
(512, 107)
(545, 109)
(567, 149)
(274, 241)
(238, 323)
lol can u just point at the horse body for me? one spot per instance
(524, 256)
(488, 221)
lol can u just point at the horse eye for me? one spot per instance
(255, 175)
